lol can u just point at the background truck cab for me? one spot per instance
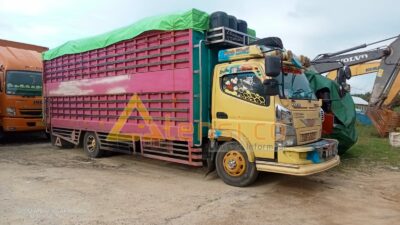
(20, 87)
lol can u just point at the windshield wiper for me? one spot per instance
(307, 94)
(298, 91)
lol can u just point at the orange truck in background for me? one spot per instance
(20, 87)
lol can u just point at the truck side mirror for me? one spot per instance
(271, 87)
(273, 66)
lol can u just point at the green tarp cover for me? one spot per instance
(342, 107)
(192, 19)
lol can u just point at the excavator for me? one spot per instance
(385, 61)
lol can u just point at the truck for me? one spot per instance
(188, 88)
(20, 87)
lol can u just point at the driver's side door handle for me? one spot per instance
(222, 115)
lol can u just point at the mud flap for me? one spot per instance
(212, 150)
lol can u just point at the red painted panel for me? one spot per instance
(327, 125)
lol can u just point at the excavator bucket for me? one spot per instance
(384, 120)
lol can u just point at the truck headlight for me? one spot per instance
(10, 111)
(283, 115)
(290, 137)
(285, 133)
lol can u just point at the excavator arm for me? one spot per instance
(384, 61)
(387, 83)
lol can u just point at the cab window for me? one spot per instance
(246, 86)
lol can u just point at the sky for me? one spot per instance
(307, 27)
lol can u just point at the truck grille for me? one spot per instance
(31, 112)
(310, 136)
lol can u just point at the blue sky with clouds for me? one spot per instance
(307, 27)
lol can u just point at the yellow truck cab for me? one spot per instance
(265, 117)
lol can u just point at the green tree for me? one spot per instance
(366, 96)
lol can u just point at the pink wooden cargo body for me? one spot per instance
(90, 91)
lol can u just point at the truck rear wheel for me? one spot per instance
(91, 145)
(60, 143)
(233, 166)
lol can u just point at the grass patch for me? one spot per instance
(371, 151)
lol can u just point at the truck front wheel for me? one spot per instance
(233, 166)
(91, 145)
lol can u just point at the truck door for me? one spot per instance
(240, 110)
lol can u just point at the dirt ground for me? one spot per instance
(43, 185)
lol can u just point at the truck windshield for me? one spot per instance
(24, 83)
(293, 84)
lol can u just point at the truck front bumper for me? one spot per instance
(297, 170)
(303, 160)
(12, 124)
